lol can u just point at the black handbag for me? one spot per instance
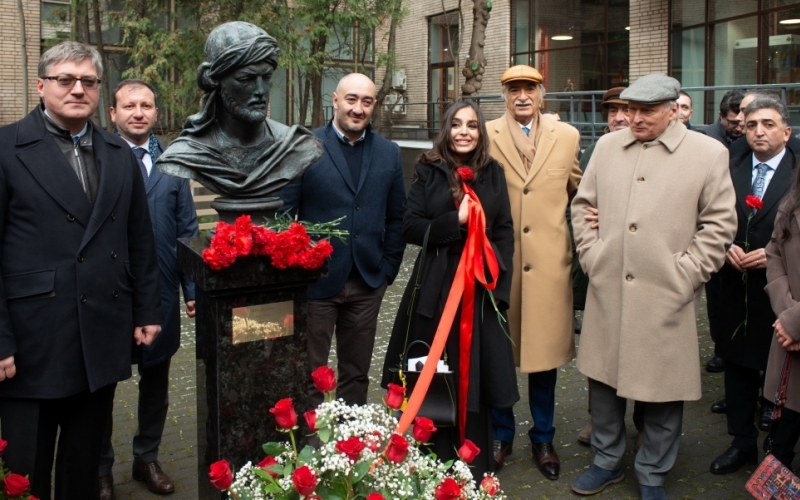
(439, 404)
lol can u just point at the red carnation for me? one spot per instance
(311, 419)
(285, 416)
(753, 202)
(423, 429)
(398, 449)
(394, 396)
(448, 489)
(324, 379)
(465, 173)
(468, 451)
(220, 475)
(267, 463)
(304, 480)
(490, 485)
(351, 447)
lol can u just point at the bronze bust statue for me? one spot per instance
(230, 146)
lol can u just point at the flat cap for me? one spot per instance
(652, 88)
(612, 97)
(521, 72)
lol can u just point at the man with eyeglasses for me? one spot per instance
(79, 276)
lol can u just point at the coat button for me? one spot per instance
(83, 299)
(355, 235)
(524, 191)
(115, 294)
(113, 254)
(632, 228)
(80, 258)
(629, 277)
(525, 230)
(752, 230)
(644, 146)
(526, 268)
(113, 217)
(640, 179)
(70, 218)
(358, 207)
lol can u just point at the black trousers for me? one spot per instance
(30, 426)
(741, 393)
(783, 437)
(353, 314)
(152, 415)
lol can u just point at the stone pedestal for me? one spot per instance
(251, 350)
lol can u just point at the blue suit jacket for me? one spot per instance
(373, 208)
(173, 216)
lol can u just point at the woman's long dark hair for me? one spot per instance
(789, 206)
(443, 146)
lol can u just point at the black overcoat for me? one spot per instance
(430, 202)
(74, 278)
(750, 346)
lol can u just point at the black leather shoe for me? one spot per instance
(107, 488)
(732, 460)
(715, 365)
(720, 406)
(546, 459)
(501, 450)
(765, 417)
(154, 477)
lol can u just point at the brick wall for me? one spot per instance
(649, 42)
(11, 91)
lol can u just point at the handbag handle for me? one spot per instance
(783, 384)
(412, 306)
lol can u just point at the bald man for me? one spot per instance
(360, 177)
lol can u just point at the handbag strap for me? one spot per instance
(412, 306)
(783, 384)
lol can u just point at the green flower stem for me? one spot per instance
(294, 444)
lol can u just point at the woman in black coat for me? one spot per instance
(436, 200)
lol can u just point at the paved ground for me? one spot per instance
(704, 433)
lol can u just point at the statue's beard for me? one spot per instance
(240, 112)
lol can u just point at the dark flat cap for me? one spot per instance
(612, 97)
(521, 72)
(652, 88)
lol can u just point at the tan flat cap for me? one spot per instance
(652, 88)
(521, 72)
(612, 97)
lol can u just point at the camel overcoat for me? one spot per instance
(667, 217)
(540, 312)
(783, 288)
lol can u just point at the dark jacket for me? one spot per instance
(172, 213)
(750, 346)
(373, 208)
(76, 278)
(430, 202)
(717, 131)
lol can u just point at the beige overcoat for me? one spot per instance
(783, 288)
(667, 217)
(540, 312)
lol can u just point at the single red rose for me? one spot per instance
(394, 396)
(490, 485)
(267, 463)
(465, 173)
(324, 379)
(3, 444)
(753, 202)
(304, 480)
(16, 485)
(468, 451)
(220, 475)
(311, 419)
(375, 496)
(352, 447)
(397, 450)
(285, 416)
(423, 429)
(448, 489)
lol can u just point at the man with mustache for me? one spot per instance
(360, 178)
(540, 158)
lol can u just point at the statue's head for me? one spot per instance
(237, 73)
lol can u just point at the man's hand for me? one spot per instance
(757, 259)
(594, 218)
(7, 368)
(190, 311)
(146, 334)
(734, 257)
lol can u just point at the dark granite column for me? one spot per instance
(241, 375)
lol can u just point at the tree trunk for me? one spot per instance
(24, 46)
(318, 52)
(301, 119)
(475, 66)
(387, 77)
(98, 33)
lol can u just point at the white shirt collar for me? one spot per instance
(772, 162)
(344, 137)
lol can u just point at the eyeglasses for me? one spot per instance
(68, 82)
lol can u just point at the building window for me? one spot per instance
(443, 46)
(577, 45)
(733, 43)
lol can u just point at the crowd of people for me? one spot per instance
(629, 231)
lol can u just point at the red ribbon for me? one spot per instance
(476, 256)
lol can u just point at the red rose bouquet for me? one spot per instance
(12, 485)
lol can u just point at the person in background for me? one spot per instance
(552, 114)
(685, 110)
